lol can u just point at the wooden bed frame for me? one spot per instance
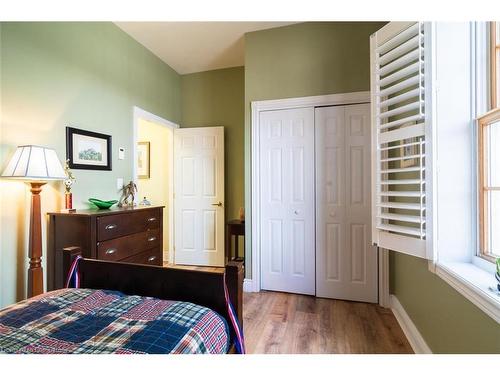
(205, 288)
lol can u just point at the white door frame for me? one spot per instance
(359, 97)
(140, 113)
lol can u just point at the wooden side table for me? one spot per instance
(234, 228)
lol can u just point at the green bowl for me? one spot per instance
(102, 204)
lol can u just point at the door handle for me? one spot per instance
(151, 239)
(110, 251)
(111, 226)
(219, 204)
(151, 219)
(152, 258)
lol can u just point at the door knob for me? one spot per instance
(219, 204)
(296, 212)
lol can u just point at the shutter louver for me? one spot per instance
(399, 138)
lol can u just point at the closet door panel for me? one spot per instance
(330, 197)
(287, 200)
(346, 262)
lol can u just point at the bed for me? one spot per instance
(130, 309)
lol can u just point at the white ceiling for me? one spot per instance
(190, 47)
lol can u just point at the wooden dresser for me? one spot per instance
(132, 235)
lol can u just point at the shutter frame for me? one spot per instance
(404, 69)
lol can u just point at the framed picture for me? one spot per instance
(143, 160)
(88, 150)
(408, 147)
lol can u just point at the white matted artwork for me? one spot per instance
(143, 162)
(88, 150)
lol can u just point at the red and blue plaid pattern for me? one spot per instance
(100, 321)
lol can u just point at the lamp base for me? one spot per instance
(35, 271)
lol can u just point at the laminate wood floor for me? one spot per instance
(290, 323)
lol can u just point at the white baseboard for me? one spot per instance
(411, 332)
(248, 285)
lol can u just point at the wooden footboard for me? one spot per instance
(205, 288)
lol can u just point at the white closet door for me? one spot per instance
(287, 200)
(346, 261)
(199, 196)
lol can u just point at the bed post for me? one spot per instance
(69, 254)
(234, 281)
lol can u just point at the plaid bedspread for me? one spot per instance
(101, 321)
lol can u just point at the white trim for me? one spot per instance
(484, 264)
(277, 104)
(145, 115)
(410, 330)
(357, 97)
(431, 87)
(248, 285)
(468, 280)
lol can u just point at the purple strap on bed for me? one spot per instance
(73, 274)
(239, 340)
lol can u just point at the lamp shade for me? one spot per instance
(34, 163)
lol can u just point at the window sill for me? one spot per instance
(474, 283)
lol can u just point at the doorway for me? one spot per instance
(311, 200)
(153, 168)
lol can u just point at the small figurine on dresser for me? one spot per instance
(68, 183)
(145, 202)
(129, 191)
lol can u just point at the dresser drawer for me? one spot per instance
(153, 257)
(127, 246)
(113, 226)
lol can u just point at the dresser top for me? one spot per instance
(98, 212)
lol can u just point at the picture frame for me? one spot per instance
(408, 147)
(88, 150)
(143, 160)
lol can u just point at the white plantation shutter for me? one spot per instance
(401, 137)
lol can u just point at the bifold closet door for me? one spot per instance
(287, 203)
(346, 261)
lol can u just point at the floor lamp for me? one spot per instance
(36, 165)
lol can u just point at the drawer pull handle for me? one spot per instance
(150, 259)
(110, 251)
(151, 239)
(151, 219)
(111, 226)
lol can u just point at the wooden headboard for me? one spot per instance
(203, 288)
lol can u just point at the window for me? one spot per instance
(495, 64)
(461, 56)
(489, 184)
(489, 156)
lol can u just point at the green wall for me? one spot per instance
(448, 322)
(314, 58)
(87, 75)
(216, 98)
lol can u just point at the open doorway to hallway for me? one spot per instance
(153, 168)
